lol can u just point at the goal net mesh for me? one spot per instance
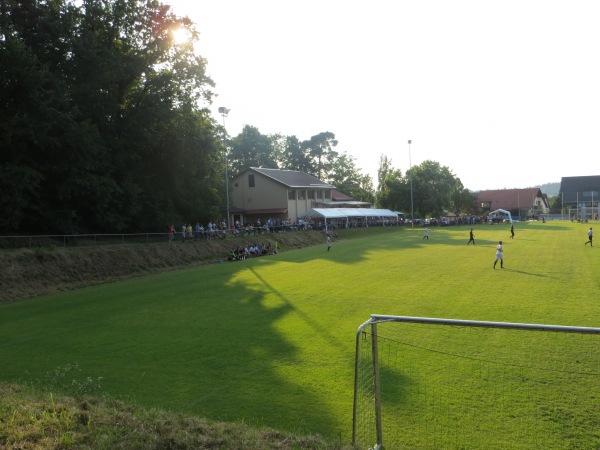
(450, 386)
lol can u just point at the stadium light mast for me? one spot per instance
(224, 113)
(412, 212)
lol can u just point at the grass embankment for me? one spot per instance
(32, 420)
(29, 272)
(270, 342)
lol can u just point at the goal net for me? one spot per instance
(443, 383)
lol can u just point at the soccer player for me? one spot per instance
(590, 237)
(328, 243)
(426, 236)
(471, 237)
(512, 231)
(499, 251)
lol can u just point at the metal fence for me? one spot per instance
(79, 240)
(83, 240)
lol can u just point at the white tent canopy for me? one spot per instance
(325, 213)
(345, 213)
(503, 211)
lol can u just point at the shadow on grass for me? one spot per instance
(322, 331)
(522, 272)
(245, 369)
(395, 386)
(203, 341)
(192, 341)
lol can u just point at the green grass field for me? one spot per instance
(271, 341)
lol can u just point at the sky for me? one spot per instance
(506, 94)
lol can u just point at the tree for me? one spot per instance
(250, 148)
(461, 199)
(393, 190)
(394, 193)
(100, 122)
(556, 203)
(344, 175)
(432, 185)
(366, 191)
(385, 167)
(320, 148)
(292, 155)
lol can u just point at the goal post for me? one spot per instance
(447, 383)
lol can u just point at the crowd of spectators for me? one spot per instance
(219, 230)
(241, 253)
(214, 230)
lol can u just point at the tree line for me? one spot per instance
(105, 127)
(428, 189)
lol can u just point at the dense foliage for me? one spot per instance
(105, 127)
(428, 190)
(101, 126)
(104, 124)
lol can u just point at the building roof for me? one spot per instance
(344, 213)
(337, 204)
(510, 198)
(292, 178)
(573, 188)
(265, 211)
(340, 196)
(341, 200)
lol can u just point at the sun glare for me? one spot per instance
(180, 35)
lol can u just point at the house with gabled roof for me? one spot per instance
(521, 202)
(581, 194)
(260, 193)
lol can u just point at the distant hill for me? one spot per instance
(549, 188)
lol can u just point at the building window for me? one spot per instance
(250, 180)
(312, 194)
(327, 195)
(291, 195)
(301, 194)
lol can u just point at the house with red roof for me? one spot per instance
(520, 202)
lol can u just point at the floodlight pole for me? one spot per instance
(412, 213)
(224, 112)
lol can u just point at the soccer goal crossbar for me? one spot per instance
(447, 383)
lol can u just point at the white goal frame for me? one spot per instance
(374, 385)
